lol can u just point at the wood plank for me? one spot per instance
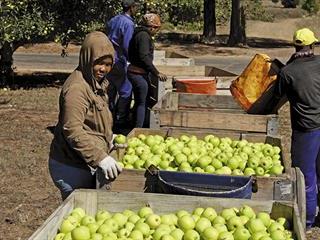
(199, 101)
(173, 62)
(214, 120)
(301, 195)
(214, 71)
(182, 70)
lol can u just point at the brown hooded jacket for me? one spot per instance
(83, 134)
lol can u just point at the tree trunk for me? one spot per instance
(6, 61)
(237, 26)
(209, 27)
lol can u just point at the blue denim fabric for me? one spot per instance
(140, 91)
(68, 178)
(305, 149)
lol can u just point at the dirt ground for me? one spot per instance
(27, 195)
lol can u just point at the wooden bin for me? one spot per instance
(289, 186)
(170, 58)
(158, 89)
(93, 200)
(199, 111)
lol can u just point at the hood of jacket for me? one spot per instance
(95, 45)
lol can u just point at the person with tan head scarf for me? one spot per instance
(83, 136)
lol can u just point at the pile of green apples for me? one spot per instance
(211, 155)
(203, 223)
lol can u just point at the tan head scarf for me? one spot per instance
(95, 45)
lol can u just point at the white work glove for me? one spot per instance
(110, 167)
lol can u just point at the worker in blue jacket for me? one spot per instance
(120, 29)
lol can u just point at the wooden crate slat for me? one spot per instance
(214, 120)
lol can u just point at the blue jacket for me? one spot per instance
(120, 30)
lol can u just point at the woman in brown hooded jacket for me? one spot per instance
(83, 135)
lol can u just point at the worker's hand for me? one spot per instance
(162, 77)
(110, 167)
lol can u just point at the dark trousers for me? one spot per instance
(305, 154)
(121, 86)
(140, 86)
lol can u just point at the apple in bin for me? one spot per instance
(67, 226)
(186, 222)
(210, 233)
(153, 220)
(191, 235)
(177, 234)
(202, 223)
(59, 236)
(80, 233)
(143, 228)
(241, 233)
(234, 223)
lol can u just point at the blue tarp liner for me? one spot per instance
(204, 184)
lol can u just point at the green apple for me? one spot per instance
(138, 164)
(265, 238)
(253, 162)
(207, 138)
(76, 215)
(129, 226)
(198, 170)
(159, 232)
(96, 236)
(67, 226)
(111, 223)
(224, 171)
(278, 235)
(275, 226)
(167, 237)
(233, 163)
(222, 157)
(180, 158)
(276, 170)
(247, 150)
(202, 224)
(249, 171)
(153, 220)
(215, 141)
(186, 222)
(244, 219)
(260, 171)
(93, 227)
(110, 235)
(120, 218)
(145, 211)
(216, 163)
(79, 211)
(59, 236)
(198, 211)
(210, 233)
(120, 139)
(166, 219)
(191, 235)
(67, 236)
(177, 234)
(80, 233)
(143, 228)
(195, 218)
(227, 213)
(74, 220)
(258, 235)
(210, 169)
(234, 223)
(241, 233)
(220, 227)
(225, 236)
(237, 172)
(255, 225)
(219, 219)
(164, 164)
(209, 213)
(133, 218)
(204, 161)
(284, 222)
(268, 150)
(181, 213)
(102, 215)
(87, 219)
(136, 235)
(265, 218)
(128, 212)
